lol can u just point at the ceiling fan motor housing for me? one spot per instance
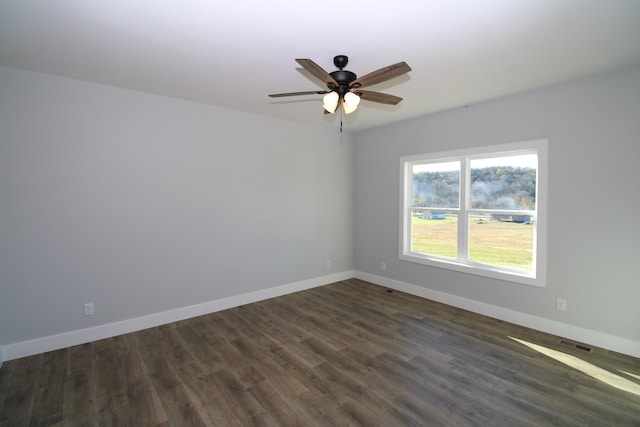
(344, 79)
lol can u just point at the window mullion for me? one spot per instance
(463, 228)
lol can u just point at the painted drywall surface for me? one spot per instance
(593, 129)
(143, 204)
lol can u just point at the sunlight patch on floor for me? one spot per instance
(598, 373)
(630, 374)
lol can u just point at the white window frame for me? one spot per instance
(536, 277)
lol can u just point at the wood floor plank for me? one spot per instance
(143, 402)
(285, 329)
(265, 362)
(322, 409)
(222, 327)
(111, 383)
(177, 348)
(281, 408)
(372, 404)
(48, 400)
(6, 374)
(205, 395)
(18, 404)
(310, 322)
(173, 395)
(409, 402)
(244, 405)
(349, 353)
(79, 407)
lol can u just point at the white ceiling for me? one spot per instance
(234, 53)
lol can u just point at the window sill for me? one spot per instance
(476, 269)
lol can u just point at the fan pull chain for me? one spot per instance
(341, 116)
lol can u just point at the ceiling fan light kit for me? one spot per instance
(330, 102)
(351, 101)
(345, 86)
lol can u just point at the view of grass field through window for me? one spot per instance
(495, 242)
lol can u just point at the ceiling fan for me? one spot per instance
(345, 88)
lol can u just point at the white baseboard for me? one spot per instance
(68, 339)
(575, 333)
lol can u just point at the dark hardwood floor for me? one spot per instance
(350, 353)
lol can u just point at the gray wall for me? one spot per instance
(143, 204)
(593, 129)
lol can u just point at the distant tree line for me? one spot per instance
(495, 187)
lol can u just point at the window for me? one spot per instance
(480, 211)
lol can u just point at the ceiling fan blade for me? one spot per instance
(310, 92)
(317, 71)
(382, 98)
(381, 75)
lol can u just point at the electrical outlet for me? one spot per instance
(383, 266)
(89, 309)
(329, 263)
(561, 304)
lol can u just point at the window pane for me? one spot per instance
(504, 182)
(436, 185)
(502, 240)
(434, 234)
